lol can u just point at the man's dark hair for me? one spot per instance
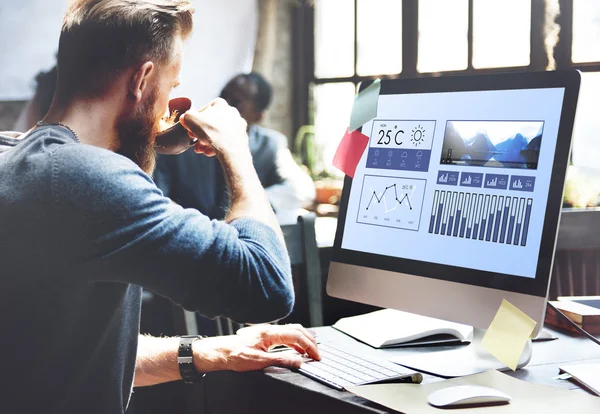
(100, 38)
(254, 86)
(264, 91)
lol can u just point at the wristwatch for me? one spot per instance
(185, 359)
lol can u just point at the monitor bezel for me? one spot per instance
(538, 286)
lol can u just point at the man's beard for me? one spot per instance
(137, 135)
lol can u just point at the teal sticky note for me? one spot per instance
(365, 105)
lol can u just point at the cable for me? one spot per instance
(577, 327)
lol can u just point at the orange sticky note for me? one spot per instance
(348, 154)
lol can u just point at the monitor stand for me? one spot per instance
(459, 362)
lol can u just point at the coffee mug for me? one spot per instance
(175, 139)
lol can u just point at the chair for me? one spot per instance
(301, 243)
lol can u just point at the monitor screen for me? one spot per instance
(460, 179)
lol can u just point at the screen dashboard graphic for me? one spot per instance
(457, 178)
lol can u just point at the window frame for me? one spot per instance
(304, 50)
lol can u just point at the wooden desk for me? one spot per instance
(280, 390)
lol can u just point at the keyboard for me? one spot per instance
(340, 368)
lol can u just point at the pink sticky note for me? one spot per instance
(348, 154)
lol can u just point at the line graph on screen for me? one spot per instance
(391, 202)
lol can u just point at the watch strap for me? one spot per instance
(185, 359)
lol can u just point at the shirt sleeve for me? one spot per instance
(120, 228)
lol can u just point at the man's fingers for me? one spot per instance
(207, 151)
(202, 122)
(298, 340)
(298, 349)
(307, 340)
(203, 146)
(192, 121)
(294, 335)
(218, 101)
(309, 346)
(252, 359)
(281, 359)
(309, 333)
(210, 152)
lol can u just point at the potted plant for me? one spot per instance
(309, 153)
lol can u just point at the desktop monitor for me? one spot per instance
(455, 203)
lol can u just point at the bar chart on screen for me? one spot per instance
(482, 217)
(391, 202)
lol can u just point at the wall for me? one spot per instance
(222, 45)
(273, 60)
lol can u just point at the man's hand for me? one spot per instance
(219, 128)
(248, 350)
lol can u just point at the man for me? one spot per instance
(83, 227)
(287, 186)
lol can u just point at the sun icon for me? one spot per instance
(418, 135)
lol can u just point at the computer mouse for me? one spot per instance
(462, 395)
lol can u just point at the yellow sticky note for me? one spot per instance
(508, 333)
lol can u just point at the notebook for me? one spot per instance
(392, 328)
(584, 315)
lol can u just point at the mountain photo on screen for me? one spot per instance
(504, 144)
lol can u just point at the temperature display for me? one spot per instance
(401, 145)
(385, 136)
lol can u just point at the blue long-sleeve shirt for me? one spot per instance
(81, 230)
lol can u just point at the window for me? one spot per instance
(586, 31)
(587, 124)
(379, 48)
(357, 40)
(446, 49)
(501, 33)
(334, 42)
(333, 104)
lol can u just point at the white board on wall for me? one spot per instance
(222, 45)
(29, 30)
